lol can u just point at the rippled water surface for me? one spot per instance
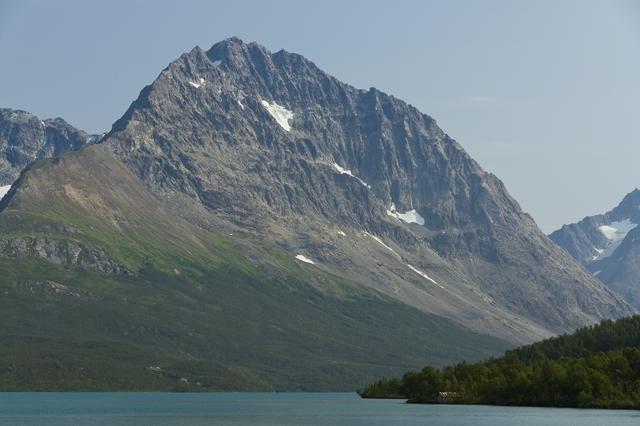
(239, 409)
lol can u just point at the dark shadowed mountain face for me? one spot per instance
(609, 245)
(239, 171)
(25, 138)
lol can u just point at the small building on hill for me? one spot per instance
(445, 397)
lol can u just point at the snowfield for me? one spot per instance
(615, 232)
(411, 216)
(379, 241)
(347, 172)
(305, 259)
(423, 275)
(197, 85)
(4, 190)
(279, 113)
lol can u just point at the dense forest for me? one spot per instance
(597, 366)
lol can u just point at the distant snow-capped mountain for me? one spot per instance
(609, 246)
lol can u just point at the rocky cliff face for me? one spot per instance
(25, 138)
(609, 245)
(359, 182)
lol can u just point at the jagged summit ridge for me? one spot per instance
(248, 75)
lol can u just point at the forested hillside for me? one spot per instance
(598, 366)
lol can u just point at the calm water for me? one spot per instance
(239, 409)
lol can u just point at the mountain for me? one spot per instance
(274, 145)
(596, 367)
(25, 138)
(251, 214)
(609, 246)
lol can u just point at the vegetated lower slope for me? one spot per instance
(609, 246)
(165, 301)
(598, 366)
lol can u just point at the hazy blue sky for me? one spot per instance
(545, 94)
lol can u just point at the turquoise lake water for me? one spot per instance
(240, 409)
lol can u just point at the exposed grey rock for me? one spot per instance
(60, 252)
(52, 287)
(25, 138)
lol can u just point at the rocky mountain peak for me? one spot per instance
(629, 207)
(373, 135)
(273, 145)
(25, 138)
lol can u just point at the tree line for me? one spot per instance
(597, 366)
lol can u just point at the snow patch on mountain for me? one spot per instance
(4, 190)
(379, 241)
(279, 113)
(615, 232)
(599, 251)
(197, 85)
(344, 171)
(423, 275)
(411, 216)
(305, 259)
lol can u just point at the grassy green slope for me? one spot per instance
(196, 306)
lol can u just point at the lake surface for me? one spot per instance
(240, 409)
